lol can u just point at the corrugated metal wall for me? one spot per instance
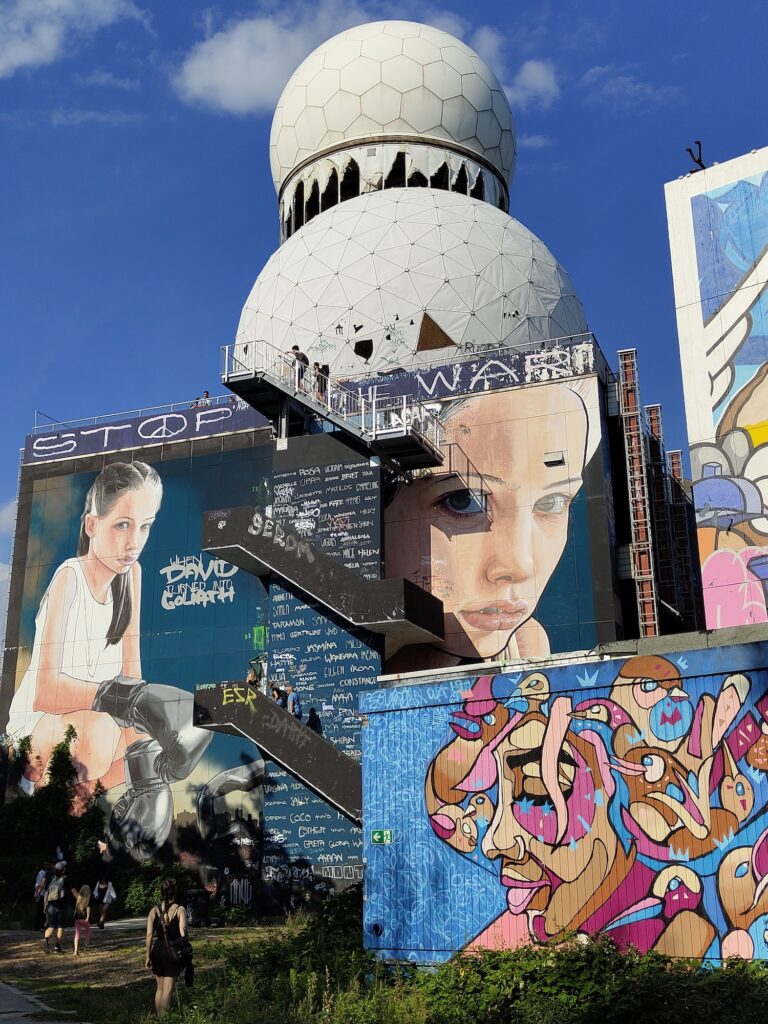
(622, 796)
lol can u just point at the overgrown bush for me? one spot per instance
(32, 827)
(143, 888)
(315, 971)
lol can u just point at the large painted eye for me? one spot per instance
(654, 767)
(674, 883)
(489, 719)
(741, 869)
(740, 789)
(462, 502)
(551, 504)
(648, 686)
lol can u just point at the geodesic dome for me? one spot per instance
(397, 81)
(409, 277)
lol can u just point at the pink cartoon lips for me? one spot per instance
(520, 891)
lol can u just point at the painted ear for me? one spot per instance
(90, 525)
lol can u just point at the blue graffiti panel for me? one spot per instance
(626, 797)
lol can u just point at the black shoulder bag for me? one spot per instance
(178, 949)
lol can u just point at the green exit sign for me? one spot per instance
(382, 836)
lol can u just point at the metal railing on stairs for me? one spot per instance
(376, 418)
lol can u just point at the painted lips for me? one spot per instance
(520, 892)
(502, 615)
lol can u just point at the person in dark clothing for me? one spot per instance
(165, 923)
(54, 907)
(279, 696)
(301, 362)
(314, 723)
(104, 894)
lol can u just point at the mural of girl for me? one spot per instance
(487, 539)
(85, 668)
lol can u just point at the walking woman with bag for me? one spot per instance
(168, 949)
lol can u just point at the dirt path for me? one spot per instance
(115, 959)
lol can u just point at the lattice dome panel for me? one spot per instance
(392, 79)
(353, 286)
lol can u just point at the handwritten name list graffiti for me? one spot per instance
(191, 581)
(336, 507)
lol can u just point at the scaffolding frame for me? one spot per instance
(643, 570)
(679, 506)
(670, 585)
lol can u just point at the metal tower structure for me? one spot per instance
(643, 570)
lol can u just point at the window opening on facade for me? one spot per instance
(330, 192)
(462, 181)
(396, 176)
(350, 183)
(313, 201)
(478, 189)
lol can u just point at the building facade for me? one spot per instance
(718, 229)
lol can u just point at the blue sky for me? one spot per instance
(137, 207)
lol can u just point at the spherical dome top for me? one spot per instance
(398, 80)
(407, 278)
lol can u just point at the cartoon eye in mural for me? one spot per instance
(655, 767)
(650, 691)
(736, 793)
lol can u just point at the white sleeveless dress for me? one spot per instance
(84, 654)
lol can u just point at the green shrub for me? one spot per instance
(143, 888)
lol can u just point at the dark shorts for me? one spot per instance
(54, 916)
(164, 963)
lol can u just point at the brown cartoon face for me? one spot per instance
(650, 691)
(547, 816)
(742, 883)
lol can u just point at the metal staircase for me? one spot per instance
(398, 609)
(401, 429)
(242, 710)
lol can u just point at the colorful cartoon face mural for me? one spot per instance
(623, 797)
(499, 524)
(719, 234)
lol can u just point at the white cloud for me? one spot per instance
(65, 118)
(38, 32)
(107, 79)
(534, 85)
(533, 142)
(621, 89)
(242, 68)
(7, 516)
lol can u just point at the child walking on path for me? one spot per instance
(82, 917)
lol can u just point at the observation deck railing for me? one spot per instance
(377, 419)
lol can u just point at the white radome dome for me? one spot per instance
(372, 267)
(397, 80)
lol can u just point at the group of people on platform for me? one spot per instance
(288, 698)
(314, 380)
